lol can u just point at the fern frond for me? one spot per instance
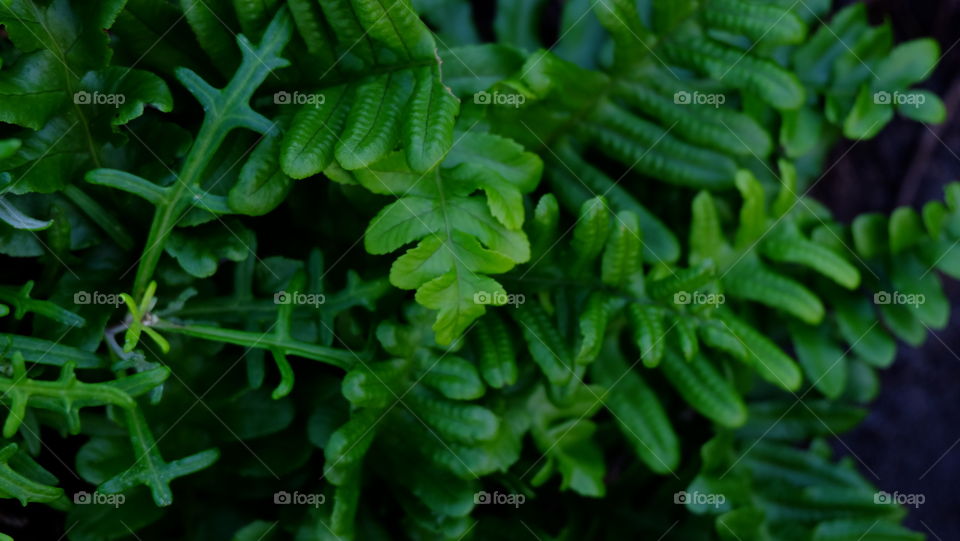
(823, 361)
(720, 129)
(759, 22)
(685, 335)
(707, 242)
(705, 388)
(648, 332)
(759, 351)
(545, 344)
(14, 484)
(66, 394)
(390, 95)
(788, 245)
(752, 280)
(150, 468)
(591, 230)
(776, 86)
(593, 327)
(622, 264)
(638, 412)
(462, 237)
(455, 378)
(495, 351)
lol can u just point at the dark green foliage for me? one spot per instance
(186, 187)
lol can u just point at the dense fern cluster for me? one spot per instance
(659, 337)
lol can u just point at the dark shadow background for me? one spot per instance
(911, 439)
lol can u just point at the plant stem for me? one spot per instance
(173, 205)
(225, 109)
(337, 357)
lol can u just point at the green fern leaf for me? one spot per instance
(206, 19)
(766, 358)
(593, 327)
(659, 243)
(23, 488)
(718, 336)
(788, 245)
(308, 145)
(777, 87)
(705, 389)
(750, 279)
(395, 24)
(759, 22)
(591, 230)
(454, 421)
(824, 362)
(632, 140)
(638, 412)
(261, 185)
(648, 332)
(753, 212)
(372, 127)
(682, 280)
(710, 127)
(348, 445)
(685, 333)
(428, 124)
(622, 266)
(375, 385)
(454, 377)
(870, 234)
(498, 363)
(462, 240)
(707, 242)
(857, 323)
(905, 229)
(545, 344)
(499, 167)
